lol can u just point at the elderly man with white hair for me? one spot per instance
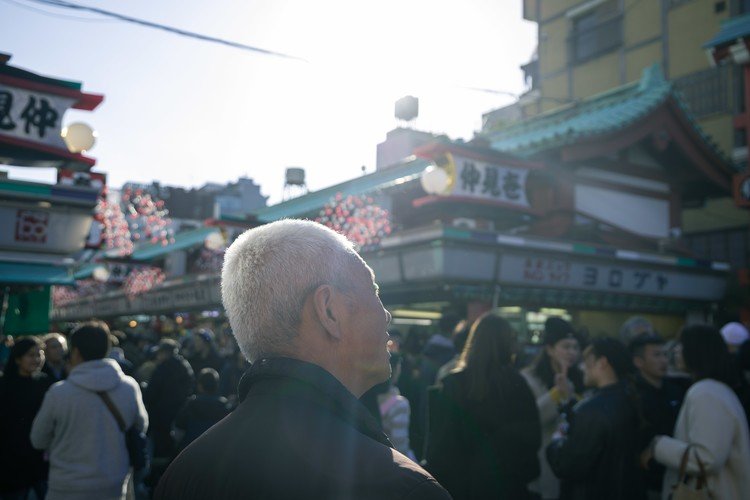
(305, 310)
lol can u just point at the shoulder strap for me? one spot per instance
(112, 409)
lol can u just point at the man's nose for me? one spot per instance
(388, 315)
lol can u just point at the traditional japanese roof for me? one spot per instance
(731, 30)
(150, 251)
(602, 114)
(313, 201)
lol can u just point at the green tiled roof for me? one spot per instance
(34, 274)
(731, 30)
(313, 201)
(150, 251)
(604, 113)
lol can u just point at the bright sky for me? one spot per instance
(186, 112)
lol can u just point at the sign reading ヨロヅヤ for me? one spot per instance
(32, 116)
(477, 179)
(592, 275)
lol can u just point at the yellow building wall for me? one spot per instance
(638, 60)
(608, 323)
(721, 130)
(597, 75)
(690, 26)
(556, 91)
(717, 214)
(554, 7)
(553, 46)
(643, 21)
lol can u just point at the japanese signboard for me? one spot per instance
(32, 116)
(564, 273)
(478, 179)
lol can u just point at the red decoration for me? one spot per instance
(356, 217)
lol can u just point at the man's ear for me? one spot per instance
(324, 304)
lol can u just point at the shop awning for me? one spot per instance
(19, 273)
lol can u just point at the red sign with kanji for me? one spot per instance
(31, 226)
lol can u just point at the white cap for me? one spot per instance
(734, 334)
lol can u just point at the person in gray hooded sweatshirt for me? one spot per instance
(87, 453)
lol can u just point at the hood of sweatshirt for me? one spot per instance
(97, 375)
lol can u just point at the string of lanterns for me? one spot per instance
(357, 217)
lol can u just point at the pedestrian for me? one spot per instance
(661, 397)
(305, 310)
(394, 410)
(485, 431)
(596, 457)
(75, 425)
(204, 354)
(460, 335)
(22, 388)
(712, 426)
(437, 351)
(201, 410)
(169, 387)
(55, 350)
(230, 376)
(557, 384)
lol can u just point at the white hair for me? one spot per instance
(267, 274)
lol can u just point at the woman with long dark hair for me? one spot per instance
(556, 382)
(711, 429)
(22, 388)
(484, 426)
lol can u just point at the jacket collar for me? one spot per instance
(329, 391)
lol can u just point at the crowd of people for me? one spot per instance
(333, 407)
(60, 440)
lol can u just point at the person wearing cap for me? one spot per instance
(735, 334)
(661, 397)
(557, 383)
(305, 310)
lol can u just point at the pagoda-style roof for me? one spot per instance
(731, 31)
(605, 123)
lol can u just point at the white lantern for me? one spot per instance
(100, 274)
(214, 241)
(435, 180)
(79, 137)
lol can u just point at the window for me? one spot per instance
(730, 246)
(707, 92)
(595, 32)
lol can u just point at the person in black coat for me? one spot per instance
(597, 457)
(305, 310)
(661, 398)
(485, 430)
(169, 387)
(203, 409)
(22, 389)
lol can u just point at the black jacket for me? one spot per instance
(298, 433)
(169, 387)
(21, 465)
(484, 449)
(199, 414)
(660, 409)
(598, 459)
